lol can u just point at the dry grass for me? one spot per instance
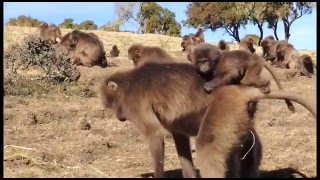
(42, 139)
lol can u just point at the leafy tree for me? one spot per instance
(126, 13)
(288, 12)
(155, 19)
(88, 25)
(112, 26)
(67, 23)
(214, 15)
(23, 21)
(294, 11)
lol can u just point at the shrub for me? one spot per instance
(36, 51)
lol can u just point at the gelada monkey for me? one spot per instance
(229, 67)
(141, 54)
(306, 65)
(52, 33)
(232, 126)
(85, 48)
(170, 96)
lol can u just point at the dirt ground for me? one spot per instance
(63, 134)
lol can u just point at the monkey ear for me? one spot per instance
(113, 85)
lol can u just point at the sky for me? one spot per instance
(303, 30)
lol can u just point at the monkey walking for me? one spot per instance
(229, 67)
(232, 126)
(170, 96)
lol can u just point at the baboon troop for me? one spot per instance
(188, 41)
(141, 54)
(114, 51)
(85, 49)
(51, 33)
(246, 44)
(213, 99)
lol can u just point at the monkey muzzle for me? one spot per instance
(122, 119)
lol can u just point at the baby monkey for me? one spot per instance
(233, 67)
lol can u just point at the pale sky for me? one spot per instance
(303, 30)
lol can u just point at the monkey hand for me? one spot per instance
(208, 87)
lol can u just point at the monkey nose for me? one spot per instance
(122, 119)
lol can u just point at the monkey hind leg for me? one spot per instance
(253, 77)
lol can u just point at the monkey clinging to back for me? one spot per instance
(233, 67)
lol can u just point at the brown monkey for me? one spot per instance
(157, 107)
(189, 56)
(85, 48)
(170, 96)
(230, 126)
(306, 65)
(196, 40)
(287, 55)
(200, 35)
(246, 44)
(229, 67)
(270, 37)
(52, 33)
(223, 45)
(268, 45)
(141, 54)
(186, 43)
(114, 51)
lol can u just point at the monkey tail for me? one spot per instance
(273, 73)
(256, 94)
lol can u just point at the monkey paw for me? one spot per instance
(208, 87)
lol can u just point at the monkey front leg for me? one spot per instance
(184, 152)
(221, 79)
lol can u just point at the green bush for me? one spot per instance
(36, 51)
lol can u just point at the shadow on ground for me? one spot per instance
(279, 173)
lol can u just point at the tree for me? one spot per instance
(23, 20)
(88, 25)
(214, 15)
(294, 11)
(288, 12)
(258, 15)
(155, 19)
(126, 13)
(112, 26)
(67, 23)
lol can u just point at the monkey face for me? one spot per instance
(204, 66)
(110, 99)
(134, 56)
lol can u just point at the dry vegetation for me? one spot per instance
(62, 130)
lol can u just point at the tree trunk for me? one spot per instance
(286, 26)
(275, 27)
(261, 33)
